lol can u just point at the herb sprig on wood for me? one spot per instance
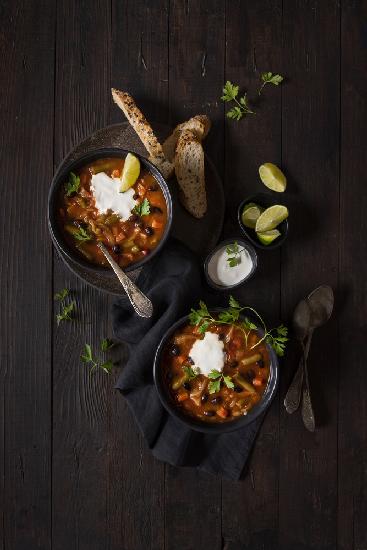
(95, 363)
(234, 315)
(66, 310)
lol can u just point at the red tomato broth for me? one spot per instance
(130, 236)
(192, 397)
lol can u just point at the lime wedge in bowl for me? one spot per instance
(250, 214)
(130, 172)
(272, 177)
(271, 217)
(267, 237)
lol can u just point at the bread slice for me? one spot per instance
(144, 131)
(189, 168)
(199, 124)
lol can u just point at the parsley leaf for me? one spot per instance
(214, 374)
(217, 378)
(228, 382)
(60, 296)
(87, 357)
(230, 91)
(82, 235)
(106, 344)
(241, 109)
(270, 78)
(107, 367)
(278, 342)
(142, 209)
(233, 303)
(65, 314)
(234, 254)
(190, 372)
(214, 386)
(72, 186)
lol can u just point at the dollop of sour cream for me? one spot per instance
(106, 192)
(220, 271)
(208, 353)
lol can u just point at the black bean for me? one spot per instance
(216, 400)
(190, 360)
(221, 336)
(135, 196)
(153, 188)
(250, 375)
(238, 389)
(204, 398)
(175, 350)
(116, 248)
(209, 413)
(149, 231)
(139, 223)
(155, 210)
(233, 364)
(261, 364)
(187, 386)
(134, 218)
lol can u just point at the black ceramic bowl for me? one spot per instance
(206, 427)
(265, 200)
(241, 244)
(61, 177)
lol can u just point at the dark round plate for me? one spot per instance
(199, 235)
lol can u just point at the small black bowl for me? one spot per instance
(207, 427)
(265, 200)
(242, 244)
(61, 177)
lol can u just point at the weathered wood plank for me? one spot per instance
(310, 153)
(253, 31)
(26, 111)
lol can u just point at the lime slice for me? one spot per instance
(272, 177)
(250, 214)
(272, 217)
(267, 237)
(130, 172)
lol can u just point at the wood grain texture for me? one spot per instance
(136, 480)
(352, 411)
(196, 73)
(80, 400)
(310, 153)
(26, 110)
(253, 30)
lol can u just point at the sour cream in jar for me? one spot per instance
(231, 264)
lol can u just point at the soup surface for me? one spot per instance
(128, 240)
(218, 395)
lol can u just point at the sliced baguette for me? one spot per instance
(199, 124)
(144, 131)
(189, 168)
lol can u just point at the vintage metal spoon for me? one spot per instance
(301, 324)
(321, 302)
(141, 303)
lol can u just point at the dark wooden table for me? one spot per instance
(74, 471)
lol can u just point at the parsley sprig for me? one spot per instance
(142, 209)
(94, 363)
(72, 186)
(190, 372)
(66, 309)
(233, 315)
(216, 379)
(230, 93)
(82, 235)
(242, 107)
(234, 254)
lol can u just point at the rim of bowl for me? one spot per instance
(60, 177)
(223, 243)
(215, 428)
(249, 233)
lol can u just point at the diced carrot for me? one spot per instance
(257, 381)
(115, 173)
(120, 237)
(222, 412)
(180, 359)
(156, 224)
(182, 396)
(115, 230)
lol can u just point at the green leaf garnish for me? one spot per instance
(106, 344)
(190, 372)
(233, 254)
(72, 186)
(107, 367)
(228, 382)
(82, 235)
(270, 78)
(142, 209)
(60, 296)
(65, 314)
(241, 109)
(217, 378)
(201, 318)
(87, 357)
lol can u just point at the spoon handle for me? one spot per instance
(141, 303)
(293, 397)
(308, 415)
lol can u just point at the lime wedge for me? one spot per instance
(272, 177)
(267, 237)
(250, 214)
(130, 172)
(272, 217)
